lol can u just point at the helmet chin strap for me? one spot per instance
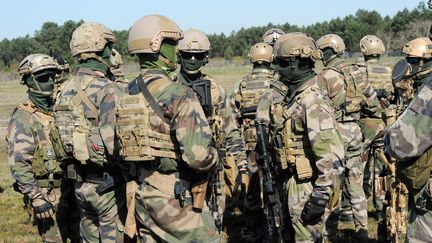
(39, 90)
(168, 62)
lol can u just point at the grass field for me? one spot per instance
(14, 221)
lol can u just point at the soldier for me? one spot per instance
(344, 92)
(271, 35)
(246, 95)
(193, 55)
(163, 133)
(408, 140)
(98, 181)
(303, 135)
(35, 167)
(116, 68)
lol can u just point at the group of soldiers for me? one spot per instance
(170, 157)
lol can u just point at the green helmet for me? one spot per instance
(332, 41)
(35, 63)
(194, 41)
(296, 44)
(147, 34)
(271, 35)
(261, 52)
(90, 38)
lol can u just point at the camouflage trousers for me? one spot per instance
(102, 216)
(65, 223)
(297, 193)
(161, 217)
(419, 226)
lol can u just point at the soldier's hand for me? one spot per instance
(42, 208)
(313, 211)
(382, 93)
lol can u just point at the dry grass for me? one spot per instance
(14, 225)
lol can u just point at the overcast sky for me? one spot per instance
(19, 18)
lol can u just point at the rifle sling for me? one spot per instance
(85, 98)
(152, 102)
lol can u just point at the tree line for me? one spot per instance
(53, 39)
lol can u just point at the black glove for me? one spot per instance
(382, 93)
(43, 209)
(313, 211)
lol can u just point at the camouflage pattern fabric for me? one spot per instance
(313, 118)
(158, 212)
(380, 76)
(408, 138)
(102, 215)
(22, 140)
(354, 200)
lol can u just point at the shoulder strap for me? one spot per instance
(84, 97)
(152, 102)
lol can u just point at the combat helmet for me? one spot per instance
(35, 63)
(419, 48)
(146, 34)
(372, 45)
(332, 41)
(271, 35)
(89, 38)
(296, 44)
(194, 41)
(261, 52)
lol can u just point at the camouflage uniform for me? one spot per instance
(27, 133)
(102, 213)
(407, 139)
(333, 80)
(311, 117)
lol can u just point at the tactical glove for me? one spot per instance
(382, 93)
(313, 211)
(43, 209)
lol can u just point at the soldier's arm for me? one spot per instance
(21, 146)
(333, 83)
(192, 131)
(371, 105)
(264, 106)
(411, 135)
(326, 143)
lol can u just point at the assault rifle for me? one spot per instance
(272, 200)
(202, 89)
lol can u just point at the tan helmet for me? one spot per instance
(35, 63)
(271, 35)
(261, 52)
(147, 34)
(420, 47)
(332, 41)
(372, 45)
(90, 37)
(296, 44)
(194, 41)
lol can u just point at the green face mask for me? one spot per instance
(166, 61)
(97, 65)
(192, 62)
(40, 89)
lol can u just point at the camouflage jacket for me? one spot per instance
(189, 128)
(334, 83)
(25, 132)
(313, 119)
(228, 139)
(246, 96)
(380, 76)
(411, 135)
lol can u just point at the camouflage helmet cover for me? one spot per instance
(271, 35)
(194, 41)
(420, 47)
(35, 63)
(90, 37)
(372, 45)
(146, 34)
(261, 52)
(332, 41)
(296, 44)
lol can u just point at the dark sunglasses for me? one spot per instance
(413, 60)
(197, 55)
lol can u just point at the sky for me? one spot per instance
(19, 18)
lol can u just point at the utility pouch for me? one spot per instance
(303, 168)
(81, 152)
(96, 147)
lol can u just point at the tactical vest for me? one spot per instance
(138, 141)
(380, 77)
(355, 78)
(45, 165)
(292, 147)
(79, 133)
(250, 90)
